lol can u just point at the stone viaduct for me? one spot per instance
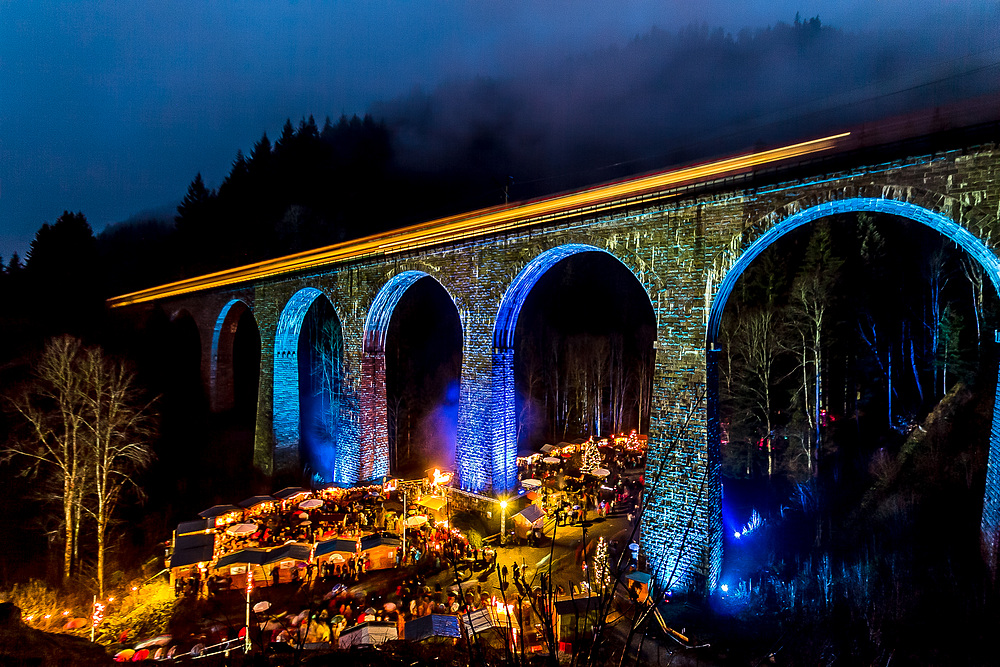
(685, 235)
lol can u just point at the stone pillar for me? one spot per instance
(374, 454)
(676, 535)
(504, 449)
(475, 406)
(263, 444)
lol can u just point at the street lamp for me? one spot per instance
(503, 521)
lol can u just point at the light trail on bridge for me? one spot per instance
(484, 222)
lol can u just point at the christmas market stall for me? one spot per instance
(223, 515)
(287, 563)
(380, 551)
(257, 506)
(335, 553)
(190, 555)
(574, 620)
(290, 495)
(528, 520)
(235, 566)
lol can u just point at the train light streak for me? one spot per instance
(487, 221)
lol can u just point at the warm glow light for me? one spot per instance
(503, 504)
(135, 588)
(484, 221)
(441, 478)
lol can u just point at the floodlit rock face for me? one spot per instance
(21, 645)
(685, 245)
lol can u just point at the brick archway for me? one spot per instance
(374, 452)
(220, 374)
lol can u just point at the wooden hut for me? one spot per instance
(381, 550)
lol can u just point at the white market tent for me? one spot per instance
(370, 632)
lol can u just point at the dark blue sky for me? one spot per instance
(111, 108)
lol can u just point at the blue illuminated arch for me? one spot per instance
(943, 224)
(380, 313)
(514, 297)
(286, 419)
(990, 524)
(504, 446)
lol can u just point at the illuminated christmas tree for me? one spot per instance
(601, 570)
(591, 456)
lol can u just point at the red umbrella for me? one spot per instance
(140, 655)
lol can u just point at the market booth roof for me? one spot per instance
(192, 527)
(218, 510)
(251, 556)
(370, 632)
(478, 620)
(192, 549)
(256, 556)
(373, 541)
(336, 545)
(254, 501)
(432, 625)
(290, 492)
(433, 502)
(531, 514)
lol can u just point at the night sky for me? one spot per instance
(111, 108)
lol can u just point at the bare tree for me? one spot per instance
(54, 411)
(118, 426)
(760, 346)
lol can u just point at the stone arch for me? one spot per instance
(928, 212)
(220, 374)
(185, 360)
(374, 453)
(287, 390)
(504, 425)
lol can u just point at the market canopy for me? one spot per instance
(432, 625)
(433, 502)
(218, 510)
(548, 449)
(370, 632)
(310, 504)
(192, 549)
(242, 529)
(478, 621)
